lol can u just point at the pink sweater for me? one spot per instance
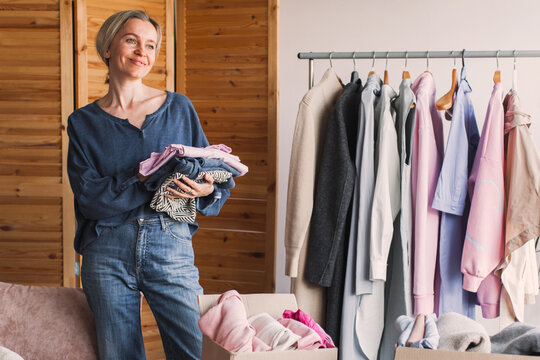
(427, 155)
(484, 243)
(226, 323)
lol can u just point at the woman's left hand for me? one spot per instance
(191, 188)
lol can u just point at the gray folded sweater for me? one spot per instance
(517, 338)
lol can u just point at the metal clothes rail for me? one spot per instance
(412, 55)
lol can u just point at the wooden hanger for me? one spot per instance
(406, 74)
(372, 66)
(447, 100)
(386, 70)
(497, 75)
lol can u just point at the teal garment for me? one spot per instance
(103, 162)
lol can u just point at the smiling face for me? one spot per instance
(132, 52)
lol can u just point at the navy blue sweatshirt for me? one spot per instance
(103, 162)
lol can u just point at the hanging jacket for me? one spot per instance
(522, 184)
(398, 291)
(357, 279)
(484, 242)
(365, 184)
(386, 196)
(308, 141)
(369, 323)
(452, 200)
(330, 222)
(426, 162)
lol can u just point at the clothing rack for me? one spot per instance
(412, 55)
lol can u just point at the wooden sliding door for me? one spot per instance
(226, 65)
(36, 96)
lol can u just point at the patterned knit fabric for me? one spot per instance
(184, 210)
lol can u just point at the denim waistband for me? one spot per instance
(157, 218)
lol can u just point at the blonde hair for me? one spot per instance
(114, 23)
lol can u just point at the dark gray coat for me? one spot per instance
(330, 219)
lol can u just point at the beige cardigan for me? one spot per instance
(308, 141)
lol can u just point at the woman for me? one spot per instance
(127, 247)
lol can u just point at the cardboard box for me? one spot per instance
(404, 353)
(273, 304)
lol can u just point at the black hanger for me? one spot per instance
(354, 74)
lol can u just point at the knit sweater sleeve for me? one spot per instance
(300, 189)
(101, 196)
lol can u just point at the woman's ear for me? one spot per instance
(107, 54)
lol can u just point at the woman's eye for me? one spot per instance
(151, 47)
(131, 41)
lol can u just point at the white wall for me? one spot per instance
(393, 25)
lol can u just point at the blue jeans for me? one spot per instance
(153, 256)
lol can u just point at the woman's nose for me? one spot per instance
(140, 49)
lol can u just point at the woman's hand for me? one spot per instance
(191, 188)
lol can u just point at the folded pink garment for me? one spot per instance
(226, 323)
(309, 339)
(308, 320)
(272, 333)
(220, 152)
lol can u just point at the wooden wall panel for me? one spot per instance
(35, 92)
(225, 66)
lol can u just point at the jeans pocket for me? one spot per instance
(178, 230)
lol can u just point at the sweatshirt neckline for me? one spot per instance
(125, 120)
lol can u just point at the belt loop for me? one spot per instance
(162, 220)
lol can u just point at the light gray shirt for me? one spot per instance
(398, 292)
(365, 183)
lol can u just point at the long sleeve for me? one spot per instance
(98, 196)
(386, 198)
(103, 161)
(334, 189)
(484, 244)
(365, 182)
(308, 141)
(300, 193)
(211, 205)
(451, 192)
(425, 168)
